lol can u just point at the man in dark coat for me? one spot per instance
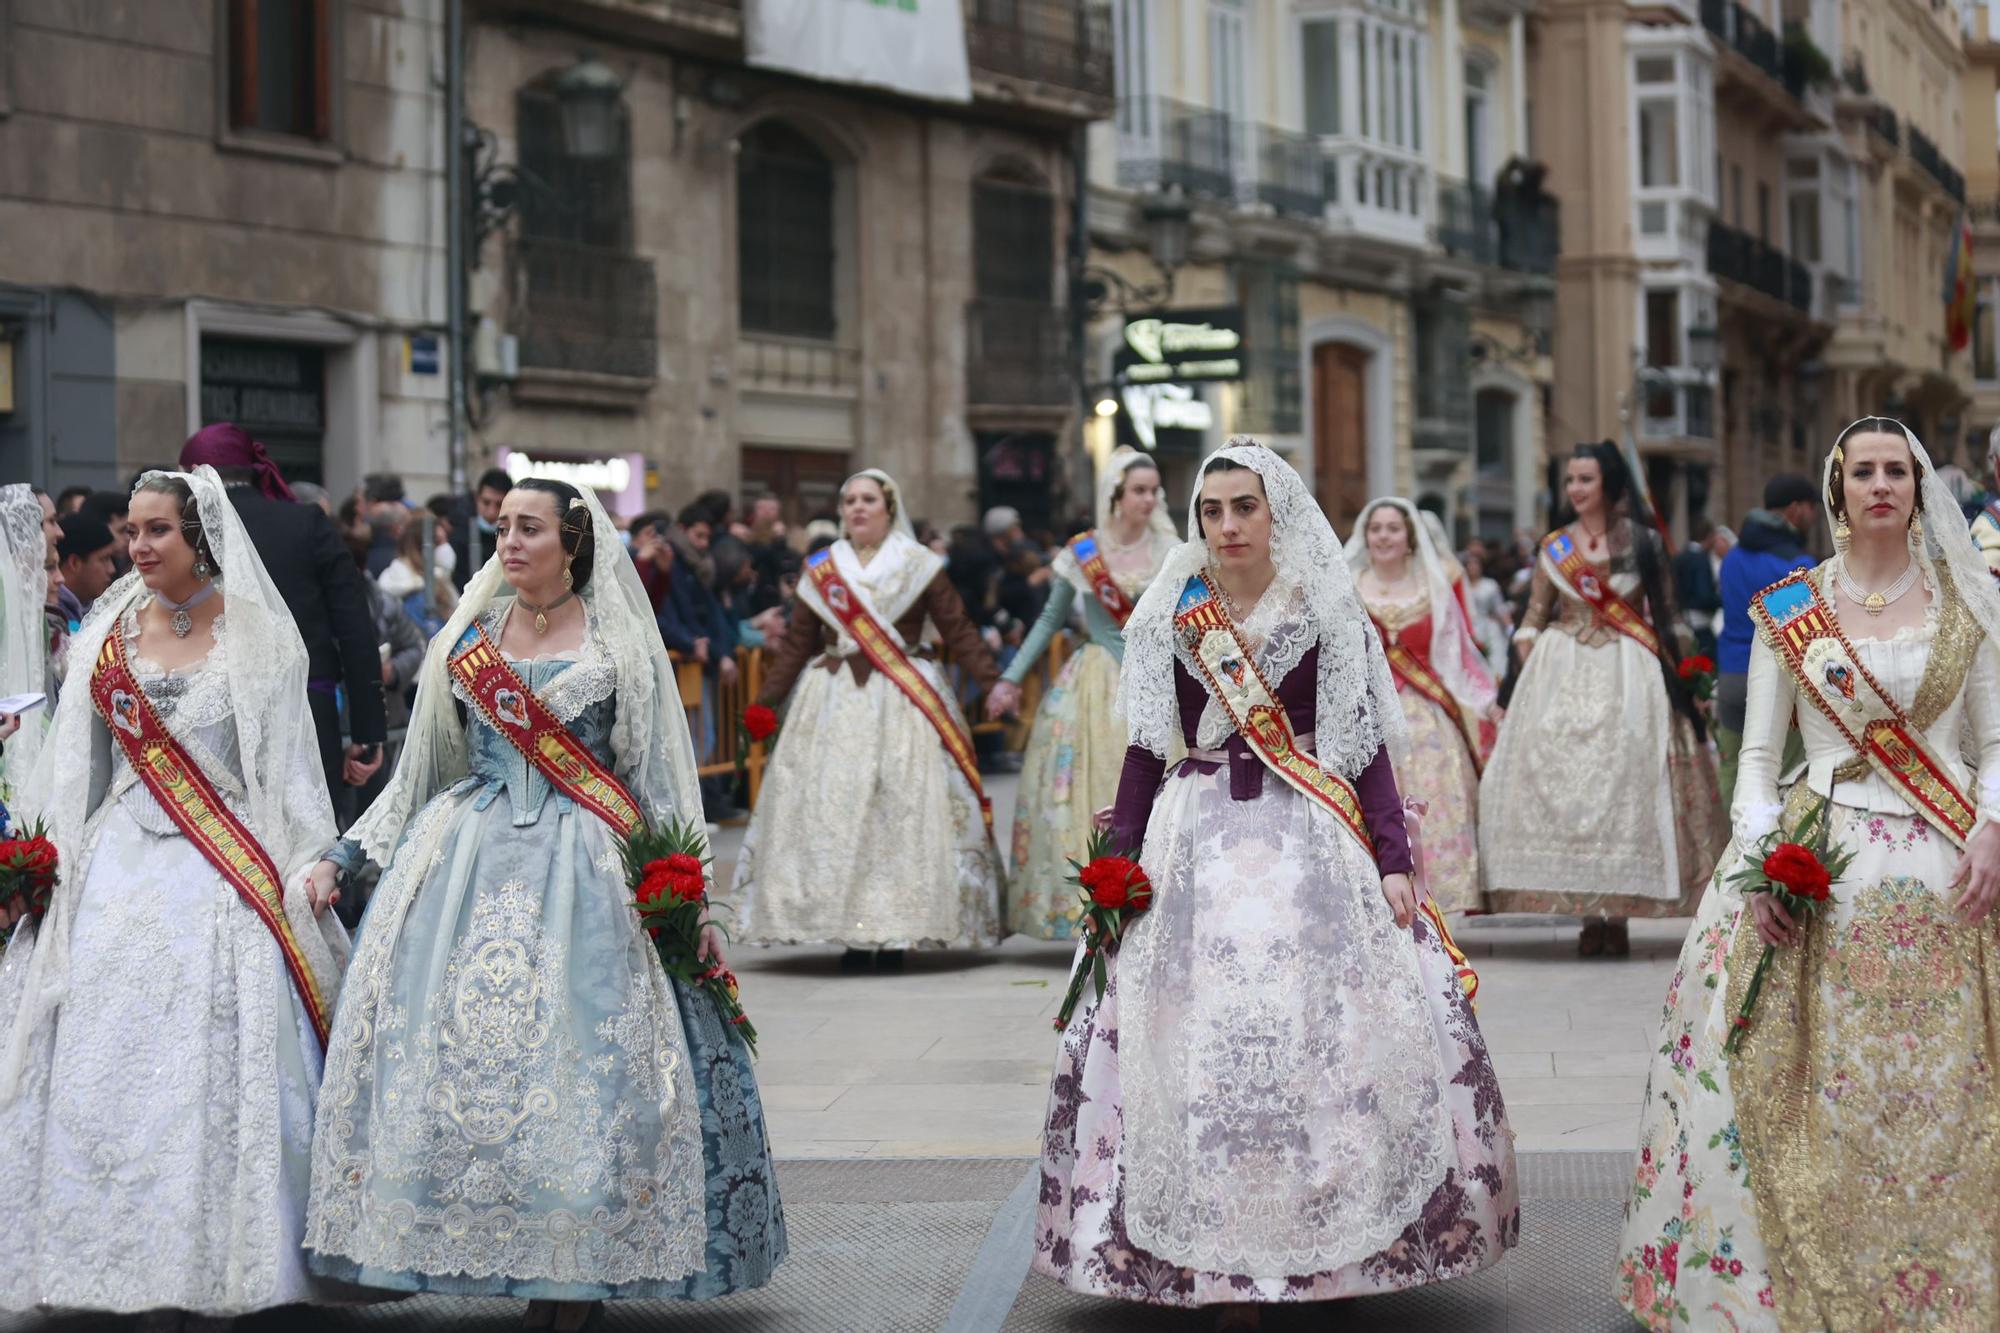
(312, 570)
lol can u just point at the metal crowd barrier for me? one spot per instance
(715, 712)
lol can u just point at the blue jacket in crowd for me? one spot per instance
(1766, 550)
(691, 612)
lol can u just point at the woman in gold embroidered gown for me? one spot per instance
(1406, 586)
(1077, 747)
(1842, 1169)
(1601, 799)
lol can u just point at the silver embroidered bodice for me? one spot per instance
(193, 703)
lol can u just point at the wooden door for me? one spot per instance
(1340, 431)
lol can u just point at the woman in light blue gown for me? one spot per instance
(518, 1100)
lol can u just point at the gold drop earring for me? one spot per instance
(1842, 534)
(569, 579)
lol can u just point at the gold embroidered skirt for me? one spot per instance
(1839, 1172)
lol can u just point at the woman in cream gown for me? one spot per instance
(1070, 771)
(1283, 1094)
(1407, 588)
(866, 832)
(1842, 1170)
(161, 1064)
(24, 636)
(1600, 799)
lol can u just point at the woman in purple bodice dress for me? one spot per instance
(1283, 1094)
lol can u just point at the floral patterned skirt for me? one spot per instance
(1441, 776)
(1075, 754)
(1082, 1239)
(1842, 1170)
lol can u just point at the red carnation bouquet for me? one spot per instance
(1114, 890)
(1801, 876)
(667, 869)
(759, 723)
(1699, 674)
(28, 870)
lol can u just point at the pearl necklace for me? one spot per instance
(1875, 603)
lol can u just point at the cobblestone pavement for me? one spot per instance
(939, 1246)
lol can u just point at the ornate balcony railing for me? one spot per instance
(1751, 38)
(1926, 155)
(1061, 43)
(1288, 174)
(587, 309)
(1677, 409)
(1743, 258)
(1015, 354)
(1513, 230)
(1163, 143)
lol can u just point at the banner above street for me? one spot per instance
(909, 46)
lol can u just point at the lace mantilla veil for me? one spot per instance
(283, 784)
(1358, 712)
(1159, 528)
(1946, 539)
(24, 638)
(652, 752)
(1448, 625)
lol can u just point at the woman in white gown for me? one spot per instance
(1600, 800)
(24, 636)
(164, 1024)
(872, 829)
(1283, 1094)
(1841, 1170)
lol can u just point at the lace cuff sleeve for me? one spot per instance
(1541, 602)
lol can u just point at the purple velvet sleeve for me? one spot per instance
(1382, 809)
(1138, 784)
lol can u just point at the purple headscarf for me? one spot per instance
(226, 444)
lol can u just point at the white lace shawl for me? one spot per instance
(1452, 644)
(1160, 536)
(651, 750)
(24, 637)
(284, 786)
(1357, 711)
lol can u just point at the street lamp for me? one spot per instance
(1704, 348)
(1168, 221)
(587, 99)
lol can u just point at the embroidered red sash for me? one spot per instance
(1612, 609)
(512, 709)
(1798, 623)
(887, 656)
(1416, 672)
(1090, 559)
(1227, 666)
(197, 809)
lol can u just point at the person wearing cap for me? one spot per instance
(86, 552)
(1772, 545)
(314, 573)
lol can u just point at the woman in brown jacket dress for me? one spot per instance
(869, 831)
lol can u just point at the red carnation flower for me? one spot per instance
(1696, 666)
(759, 721)
(684, 877)
(1116, 881)
(654, 882)
(1799, 871)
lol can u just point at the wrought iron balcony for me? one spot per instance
(1751, 38)
(587, 309)
(1016, 354)
(1740, 257)
(1288, 173)
(1059, 43)
(1882, 121)
(1163, 143)
(1511, 228)
(1925, 154)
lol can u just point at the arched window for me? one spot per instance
(784, 234)
(1013, 237)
